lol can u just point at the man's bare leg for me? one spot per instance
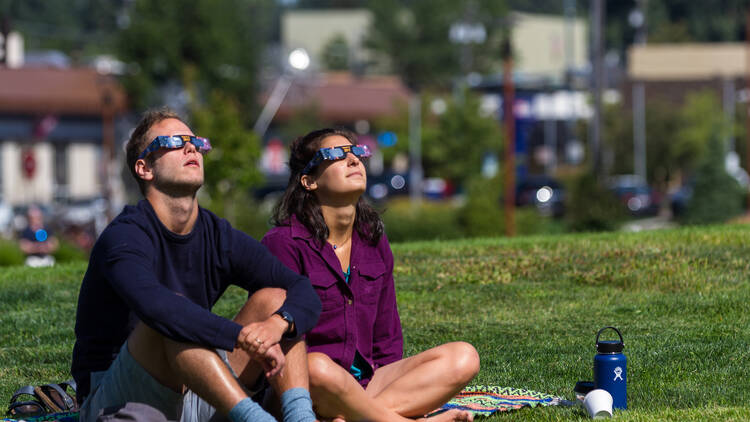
(182, 365)
(259, 307)
(337, 394)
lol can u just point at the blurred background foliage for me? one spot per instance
(717, 196)
(678, 136)
(204, 46)
(454, 141)
(206, 57)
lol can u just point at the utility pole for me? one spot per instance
(108, 110)
(510, 136)
(637, 20)
(415, 149)
(597, 82)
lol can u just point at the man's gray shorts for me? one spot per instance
(126, 381)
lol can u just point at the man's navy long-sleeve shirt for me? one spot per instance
(139, 270)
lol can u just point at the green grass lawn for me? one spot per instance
(531, 306)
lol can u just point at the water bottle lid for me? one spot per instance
(609, 346)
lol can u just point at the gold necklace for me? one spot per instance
(336, 247)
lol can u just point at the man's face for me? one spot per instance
(175, 171)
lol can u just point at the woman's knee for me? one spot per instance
(324, 373)
(465, 360)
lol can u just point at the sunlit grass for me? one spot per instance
(531, 306)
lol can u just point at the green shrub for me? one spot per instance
(242, 212)
(481, 214)
(717, 196)
(530, 222)
(431, 220)
(10, 253)
(68, 252)
(590, 206)
(253, 218)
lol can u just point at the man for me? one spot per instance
(37, 241)
(144, 330)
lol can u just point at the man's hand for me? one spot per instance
(274, 361)
(259, 338)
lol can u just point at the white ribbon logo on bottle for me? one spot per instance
(618, 374)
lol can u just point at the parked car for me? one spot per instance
(387, 185)
(543, 192)
(635, 194)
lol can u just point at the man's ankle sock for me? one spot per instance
(296, 405)
(249, 411)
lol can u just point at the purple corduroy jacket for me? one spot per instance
(359, 316)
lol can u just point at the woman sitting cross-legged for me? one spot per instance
(326, 231)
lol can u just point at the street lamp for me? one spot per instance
(297, 61)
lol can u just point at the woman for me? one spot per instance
(326, 231)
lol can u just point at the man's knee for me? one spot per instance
(323, 373)
(260, 305)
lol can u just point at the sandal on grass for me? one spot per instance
(25, 403)
(41, 400)
(59, 397)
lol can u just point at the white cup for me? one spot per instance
(598, 404)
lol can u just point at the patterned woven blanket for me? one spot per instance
(484, 400)
(57, 417)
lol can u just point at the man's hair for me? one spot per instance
(138, 140)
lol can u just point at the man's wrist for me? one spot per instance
(290, 330)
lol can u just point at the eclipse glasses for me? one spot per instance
(335, 154)
(177, 141)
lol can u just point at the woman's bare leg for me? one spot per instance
(421, 383)
(336, 394)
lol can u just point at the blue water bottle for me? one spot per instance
(610, 369)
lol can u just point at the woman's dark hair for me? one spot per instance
(303, 204)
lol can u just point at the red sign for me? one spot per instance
(28, 162)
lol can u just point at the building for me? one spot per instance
(314, 30)
(669, 72)
(57, 134)
(342, 98)
(549, 46)
(550, 78)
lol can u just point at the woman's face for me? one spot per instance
(341, 178)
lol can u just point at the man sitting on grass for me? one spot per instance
(144, 328)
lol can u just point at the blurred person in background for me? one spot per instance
(326, 231)
(37, 240)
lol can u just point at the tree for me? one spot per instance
(415, 36)
(716, 195)
(231, 168)
(76, 28)
(454, 143)
(676, 137)
(211, 45)
(336, 53)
